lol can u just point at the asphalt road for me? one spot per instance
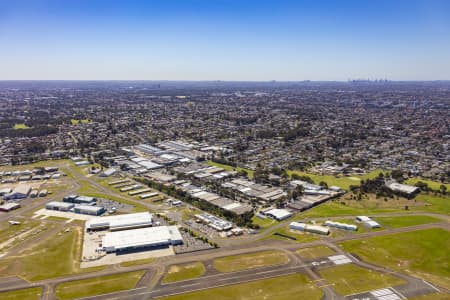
(413, 287)
(150, 287)
(294, 266)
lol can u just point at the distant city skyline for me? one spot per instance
(225, 40)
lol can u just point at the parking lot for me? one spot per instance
(191, 244)
(203, 228)
(110, 204)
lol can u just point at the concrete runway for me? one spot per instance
(150, 287)
(145, 290)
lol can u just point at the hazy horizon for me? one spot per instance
(225, 40)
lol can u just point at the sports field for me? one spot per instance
(21, 126)
(81, 121)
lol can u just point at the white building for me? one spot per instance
(59, 206)
(5, 191)
(278, 214)
(92, 210)
(20, 192)
(341, 225)
(120, 222)
(214, 222)
(9, 206)
(402, 188)
(368, 222)
(108, 172)
(309, 228)
(141, 239)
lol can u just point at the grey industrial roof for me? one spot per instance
(141, 237)
(60, 204)
(116, 221)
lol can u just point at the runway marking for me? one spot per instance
(186, 285)
(266, 272)
(322, 286)
(400, 294)
(364, 292)
(215, 286)
(24, 279)
(242, 271)
(432, 286)
(93, 297)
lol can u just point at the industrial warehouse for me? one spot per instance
(118, 238)
(309, 228)
(141, 239)
(120, 222)
(76, 208)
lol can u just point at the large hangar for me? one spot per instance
(141, 239)
(120, 222)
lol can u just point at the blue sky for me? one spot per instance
(225, 39)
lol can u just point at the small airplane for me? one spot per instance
(13, 223)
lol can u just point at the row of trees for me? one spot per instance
(424, 187)
(376, 186)
(29, 132)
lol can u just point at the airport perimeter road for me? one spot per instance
(282, 224)
(413, 286)
(215, 253)
(207, 282)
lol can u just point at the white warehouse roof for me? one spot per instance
(22, 189)
(120, 221)
(363, 218)
(65, 205)
(149, 165)
(398, 187)
(279, 213)
(142, 237)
